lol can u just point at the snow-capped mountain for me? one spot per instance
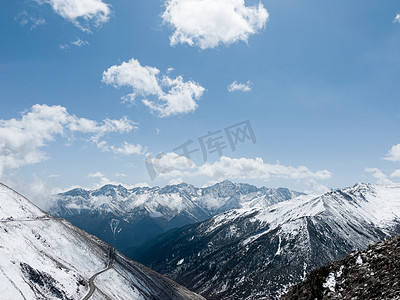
(42, 257)
(369, 274)
(128, 217)
(258, 253)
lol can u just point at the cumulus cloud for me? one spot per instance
(247, 168)
(395, 173)
(81, 12)
(397, 19)
(175, 181)
(169, 165)
(172, 165)
(243, 87)
(172, 95)
(172, 160)
(22, 140)
(381, 178)
(209, 23)
(394, 153)
(95, 175)
(128, 149)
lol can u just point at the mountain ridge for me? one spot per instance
(128, 217)
(247, 253)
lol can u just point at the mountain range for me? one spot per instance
(43, 257)
(260, 252)
(128, 217)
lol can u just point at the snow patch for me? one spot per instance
(330, 282)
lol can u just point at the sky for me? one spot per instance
(288, 93)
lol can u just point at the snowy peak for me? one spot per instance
(228, 189)
(143, 212)
(375, 204)
(257, 249)
(219, 197)
(182, 188)
(372, 204)
(15, 206)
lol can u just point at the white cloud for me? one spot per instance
(315, 187)
(397, 19)
(181, 97)
(120, 175)
(128, 149)
(141, 184)
(395, 173)
(243, 87)
(95, 175)
(77, 43)
(22, 140)
(247, 168)
(175, 161)
(379, 176)
(24, 19)
(209, 23)
(171, 165)
(102, 180)
(98, 130)
(143, 80)
(36, 189)
(81, 12)
(173, 95)
(175, 181)
(394, 153)
(54, 176)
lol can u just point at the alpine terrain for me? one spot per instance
(128, 217)
(259, 253)
(369, 274)
(42, 257)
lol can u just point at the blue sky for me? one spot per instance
(318, 81)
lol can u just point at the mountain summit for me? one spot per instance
(259, 253)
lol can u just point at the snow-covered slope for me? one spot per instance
(260, 252)
(128, 217)
(42, 257)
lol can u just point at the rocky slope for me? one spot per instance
(42, 257)
(260, 253)
(128, 217)
(373, 273)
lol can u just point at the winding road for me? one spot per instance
(92, 286)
